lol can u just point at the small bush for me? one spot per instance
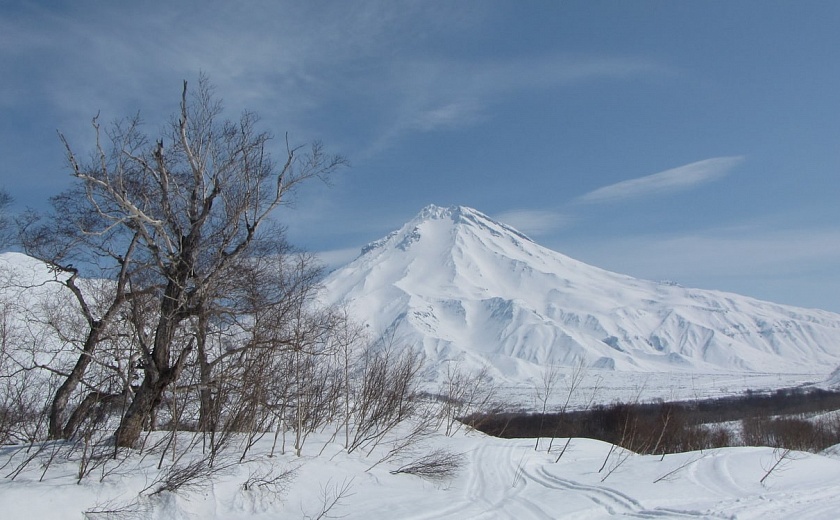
(439, 464)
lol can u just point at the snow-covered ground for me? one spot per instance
(607, 386)
(476, 293)
(498, 479)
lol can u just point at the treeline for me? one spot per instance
(778, 419)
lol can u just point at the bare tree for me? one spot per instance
(6, 234)
(385, 395)
(574, 381)
(349, 336)
(21, 405)
(332, 494)
(543, 390)
(464, 395)
(781, 456)
(172, 221)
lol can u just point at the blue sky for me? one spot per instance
(691, 141)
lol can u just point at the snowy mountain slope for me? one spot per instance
(465, 287)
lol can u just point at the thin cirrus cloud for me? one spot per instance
(676, 179)
(450, 83)
(423, 94)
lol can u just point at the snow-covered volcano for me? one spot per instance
(462, 286)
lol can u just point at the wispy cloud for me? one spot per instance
(297, 64)
(274, 57)
(454, 114)
(535, 222)
(675, 179)
(425, 94)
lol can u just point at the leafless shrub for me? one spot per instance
(464, 397)
(543, 390)
(617, 456)
(23, 414)
(795, 433)
(644, 428)
(385, 395)
(519, 474)
(438, 465)
(781, 456)
(402, 442)
(185, 476)
(21, 458)
(137, 509)
(573, 383)
(670, 474)
(332, 494)
(271, 479)
(630, 436)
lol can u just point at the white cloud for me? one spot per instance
(283, 60)
(272, 57)
(675, 179)
(451, 115)
(534, 222)
(429, 94)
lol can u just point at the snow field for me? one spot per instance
(499, 479)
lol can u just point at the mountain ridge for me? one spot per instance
(462, 286)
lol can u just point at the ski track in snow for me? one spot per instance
(815, 504)
(496, 487)
(501, 484)
(611, 501)
(499, 479)
(714, 474)
(511, 481)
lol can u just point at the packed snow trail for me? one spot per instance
(494, 487)
(500, 479)
(507, 479)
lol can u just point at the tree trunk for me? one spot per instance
(138, 412)
(159, 373)
(88, 405)
(146, 401)
(58, 406)
(206, 410)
